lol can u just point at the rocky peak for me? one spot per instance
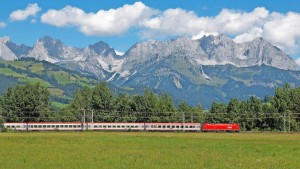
(19, 50)
(53, 47)
(212, 50)
(212, 42)
(102, 48)
(6, 52)
(4, 40)
(47, 48)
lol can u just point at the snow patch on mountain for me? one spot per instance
(125, 73)
(298, 61)
(205, 75)
(119, 53)
(177, 82)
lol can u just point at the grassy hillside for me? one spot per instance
(60, 82)
(149, 150)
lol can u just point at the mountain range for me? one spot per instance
(212, 68)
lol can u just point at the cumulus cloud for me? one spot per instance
(2, 24)
(237, 22)
(174, 22)
(182, 22)
(283, 30)
(19, 15)
(110, 22)
(202, 33)
(279, 29)
(249, 36)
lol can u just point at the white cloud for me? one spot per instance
(298, 61)
(249, 36)
(174, 22)
(2, 24)
(19, 15)
(283, 30)
(181, 22)
(202, 33)
(238, 22)
(279, 29)
(110, 22)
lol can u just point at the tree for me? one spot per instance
(256, 118)
(295, 109)
(102, 97)
(281, 100)
(166, 103)
(138, 105)
(182, 106)
(295, 100)
(273, 121)
(151, 101)
(122, 103)
(82, 99)
(26, 103)
(218, 113)
(233, 110)
(244, 116)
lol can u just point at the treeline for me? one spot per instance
(279, 112)
(30, 103)
(104, 106)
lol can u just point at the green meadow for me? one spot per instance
(145, 150)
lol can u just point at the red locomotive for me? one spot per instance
(221, 127)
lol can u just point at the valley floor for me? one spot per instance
(149, 150)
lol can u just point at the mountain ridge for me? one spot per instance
(208, 50)
(212, 68)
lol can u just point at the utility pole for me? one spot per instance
(92, 116)
(289, 122)
(284, 125)
(183, 121)
(27, 126)
(84, 116)
(83, 120)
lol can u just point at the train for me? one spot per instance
(78, 126)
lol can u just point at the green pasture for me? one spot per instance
(18, 64)
(65, 78)
(37, 68)
(145, 150)
(35, 80)
(10, 72)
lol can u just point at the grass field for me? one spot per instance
(144, 150)
(35, 80)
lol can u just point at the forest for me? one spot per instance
(30, 103)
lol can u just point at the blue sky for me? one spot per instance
(121, 23)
